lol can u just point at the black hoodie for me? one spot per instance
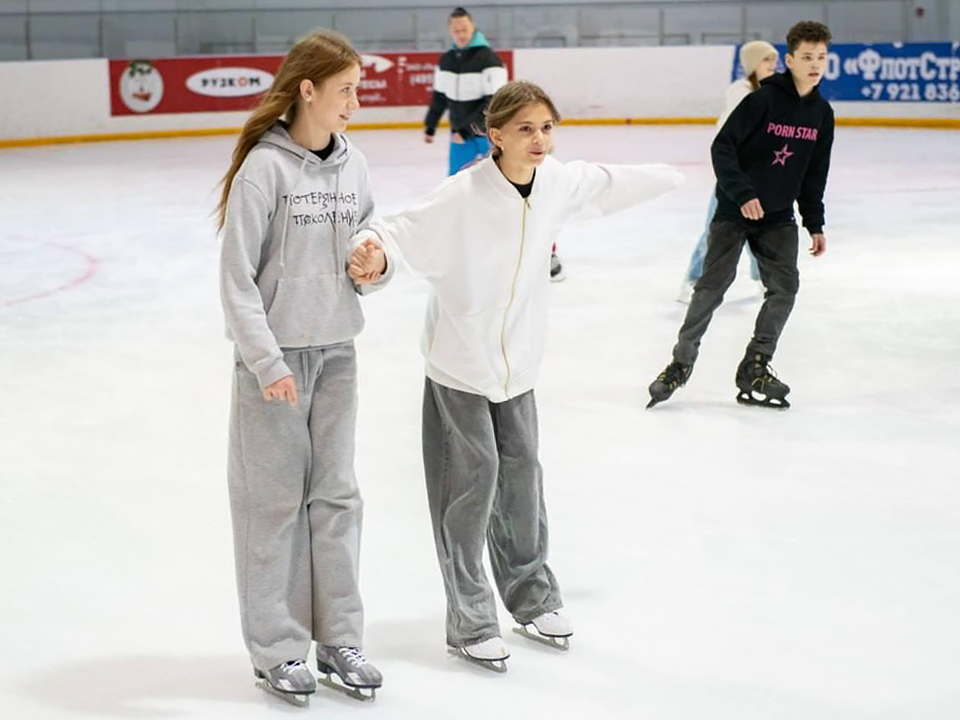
(775, 147)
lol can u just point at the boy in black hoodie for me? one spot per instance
(773, 150)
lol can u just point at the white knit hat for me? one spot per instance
(752, 53)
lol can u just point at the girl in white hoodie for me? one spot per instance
(482, 241)
(295, 193)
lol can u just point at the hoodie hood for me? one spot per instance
(279, 136)
(784, 81)
(478, 40)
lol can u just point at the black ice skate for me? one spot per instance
(759, 386)
(347, 670)
(674, 375)
(292, 682)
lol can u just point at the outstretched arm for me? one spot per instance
(606, 189)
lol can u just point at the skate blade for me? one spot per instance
(357, 692)
(745, 398)
(652, 402)
(300, 700)
(560, 642)
(498, 666)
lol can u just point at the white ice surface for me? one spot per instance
(719, 563)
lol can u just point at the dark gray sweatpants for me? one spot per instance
(775, 249)
(296, 508)
(485, 484)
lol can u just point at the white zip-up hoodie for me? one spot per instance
(736, 92)
(485, 252)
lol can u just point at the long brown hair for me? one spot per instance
(316, 57)
(511, 99)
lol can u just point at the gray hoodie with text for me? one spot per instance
(286, 246)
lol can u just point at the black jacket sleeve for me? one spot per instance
(476, 122)
(814, 182)
(733, 181)
(438, 105)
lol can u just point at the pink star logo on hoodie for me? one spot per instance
(780, 156)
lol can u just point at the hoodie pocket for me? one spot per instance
(468, 348)
(526, 333)
(314, 310)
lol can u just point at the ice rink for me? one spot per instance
(718, 562)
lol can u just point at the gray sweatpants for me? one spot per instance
(484, 482)
(296, 508)
(775, 249)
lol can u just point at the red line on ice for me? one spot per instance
(92, 265)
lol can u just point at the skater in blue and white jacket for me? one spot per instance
(468, 75)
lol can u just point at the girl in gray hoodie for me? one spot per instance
(295, 193)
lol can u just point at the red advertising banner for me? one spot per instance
(236, 82)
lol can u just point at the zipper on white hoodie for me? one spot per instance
(513, 295)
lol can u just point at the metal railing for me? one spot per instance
(151, 33)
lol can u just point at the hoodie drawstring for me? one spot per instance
(286, 214)
(341, 261)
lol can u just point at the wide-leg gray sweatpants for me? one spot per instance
(296, 508)
(485, 483)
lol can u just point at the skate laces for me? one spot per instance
(765, 375)
(353, 656)
(672, 375)
(292, 665)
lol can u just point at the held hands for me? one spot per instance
(367, 263)
(752, 210)
(819, 246)
(282, 389)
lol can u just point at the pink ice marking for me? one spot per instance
(90, 267)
